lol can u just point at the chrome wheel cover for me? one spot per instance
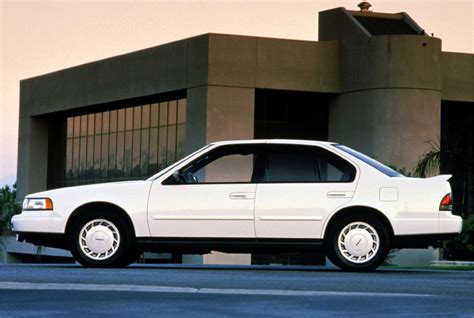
(99, 239)
(358, 242)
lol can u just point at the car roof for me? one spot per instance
(273, 141)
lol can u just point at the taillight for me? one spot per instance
(446, 203)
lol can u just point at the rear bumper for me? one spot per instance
(447, 226)
(426, 223)
(449, 223)
(421, 241)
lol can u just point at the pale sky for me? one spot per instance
(38, 37)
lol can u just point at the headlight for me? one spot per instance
(38, 204)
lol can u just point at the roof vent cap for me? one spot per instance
(364, 6)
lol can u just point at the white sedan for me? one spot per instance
(256, 196)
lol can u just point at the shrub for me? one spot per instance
(461, 248)
(8, 208)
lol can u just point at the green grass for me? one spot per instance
(438, 267)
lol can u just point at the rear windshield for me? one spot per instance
(371, 162)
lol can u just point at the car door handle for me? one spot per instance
(340, 194)
(241, 195)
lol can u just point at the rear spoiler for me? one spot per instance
(442, 177)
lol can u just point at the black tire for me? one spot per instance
(107, 227)
(364, 230)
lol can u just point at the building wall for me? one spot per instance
(230, 113)
(32, 155)
(391, 125)
(457, 76)
(390, 104)
(196, 118)
(274, 63)
(169, 67)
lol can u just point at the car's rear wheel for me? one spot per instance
(102, 240)
(357, 243)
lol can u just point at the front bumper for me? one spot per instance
(44, 239)
(42, 228)
(39, 221)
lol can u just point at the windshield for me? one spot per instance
(371, 162)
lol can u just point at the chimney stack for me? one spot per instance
(364, 6)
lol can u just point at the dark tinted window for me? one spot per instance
(293, 163)
(333, 168)
(371, 162)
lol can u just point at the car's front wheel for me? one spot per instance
(102, 240)
(357, 243)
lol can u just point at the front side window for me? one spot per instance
(294, 164)
(224, 164)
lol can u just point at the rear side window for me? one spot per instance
(371, 162)
(333, 168)
(295, 163)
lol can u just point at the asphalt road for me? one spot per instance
(232, 291)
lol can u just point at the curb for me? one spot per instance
(451, 263)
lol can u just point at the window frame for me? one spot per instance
(259, 166)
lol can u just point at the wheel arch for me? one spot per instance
(360, 210)
(103, 206)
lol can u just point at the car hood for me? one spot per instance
(87, 188)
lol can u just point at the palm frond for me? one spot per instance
(429, 161)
